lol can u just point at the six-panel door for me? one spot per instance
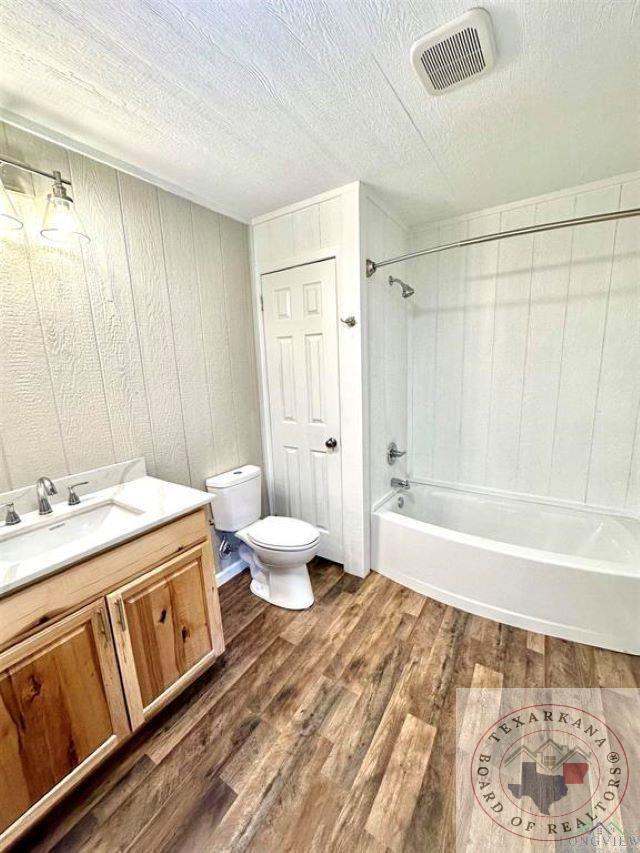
(301, 342)
(61, 712)
(167, 628)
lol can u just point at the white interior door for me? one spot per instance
(301, 338)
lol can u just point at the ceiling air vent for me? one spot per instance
(448, 57)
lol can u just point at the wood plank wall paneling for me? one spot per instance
(141, 217)
(235, 267)
(109, 283)
(28, 414)
(140, 344)
(65, 318)
(526, 353)
(184, 301)
(216, 334)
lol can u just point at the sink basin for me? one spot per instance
(48, 536)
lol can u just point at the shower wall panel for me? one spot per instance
(525, 353)
(388, 343)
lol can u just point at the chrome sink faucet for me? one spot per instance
(74, 500)
(11, 516)
(45, 487)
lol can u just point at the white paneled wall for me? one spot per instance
(294, 236)
(141, 344)
(525, 356)
(388, 344)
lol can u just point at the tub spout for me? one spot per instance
(397, 483)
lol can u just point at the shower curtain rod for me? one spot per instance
(372, 266)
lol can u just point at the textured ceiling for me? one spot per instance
(253, 104)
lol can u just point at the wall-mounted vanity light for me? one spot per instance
(61, 223)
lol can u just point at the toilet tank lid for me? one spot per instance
(233, 477)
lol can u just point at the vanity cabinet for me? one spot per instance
(61, 709)
(167, 626)
(89, 654)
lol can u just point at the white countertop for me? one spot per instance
(120, 512)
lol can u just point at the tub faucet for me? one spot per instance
(393, 453)
(45, 487)
(397, 483)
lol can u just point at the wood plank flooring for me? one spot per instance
(294, 740)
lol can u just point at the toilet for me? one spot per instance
(276, 548)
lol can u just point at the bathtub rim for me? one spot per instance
(519, 497)
(536, 555)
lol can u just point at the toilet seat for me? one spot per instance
(281, 533)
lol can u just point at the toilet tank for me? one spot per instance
(237, 497)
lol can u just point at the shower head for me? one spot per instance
(407, 291)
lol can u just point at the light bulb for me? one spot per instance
(61, 223)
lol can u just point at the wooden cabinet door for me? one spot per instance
(167, 628)
(61, 711)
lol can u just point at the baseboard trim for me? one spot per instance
(230, 572)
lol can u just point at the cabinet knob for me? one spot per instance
(331, 443)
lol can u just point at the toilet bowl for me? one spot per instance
(276, 548)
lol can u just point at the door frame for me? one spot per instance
(346, 248)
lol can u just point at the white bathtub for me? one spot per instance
(559, 570)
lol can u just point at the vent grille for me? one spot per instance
(454, 59)
(455, 53)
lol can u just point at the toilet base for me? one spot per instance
(288, 587)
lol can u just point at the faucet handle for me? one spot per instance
(11, 516)
(393, 453)
(74, 500)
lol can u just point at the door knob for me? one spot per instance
(331, 443)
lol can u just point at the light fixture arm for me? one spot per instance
(58, 189)
(54, 176)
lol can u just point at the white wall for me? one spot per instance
(329, 226)
(140, 345)
(388, 343)
(526, 352)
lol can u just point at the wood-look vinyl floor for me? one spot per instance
(294, 740)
